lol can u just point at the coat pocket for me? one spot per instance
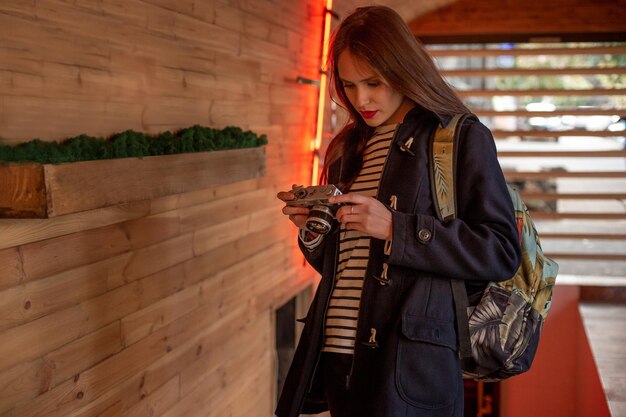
(427, 365)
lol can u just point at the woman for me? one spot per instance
(380, 338)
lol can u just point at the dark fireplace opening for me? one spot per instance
(285, 340)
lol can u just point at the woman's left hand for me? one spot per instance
(365, 214)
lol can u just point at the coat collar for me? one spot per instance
(419, 113)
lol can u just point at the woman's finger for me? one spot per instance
(295, 210)
(365, 214)
(349, 198)
(286, 196)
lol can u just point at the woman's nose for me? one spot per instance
(362, 97)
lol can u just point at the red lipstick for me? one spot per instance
(368, 114)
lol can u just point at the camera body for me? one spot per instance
(321, 212)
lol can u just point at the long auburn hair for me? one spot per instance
(379, 37)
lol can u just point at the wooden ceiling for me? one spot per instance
(408, 9)
(479, 21)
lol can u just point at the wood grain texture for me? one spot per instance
(23, 191)
(81, 186)
(161, 305)
(16, 232)
(48, 257)
(32, 300)
(11, 270)
(489, 17)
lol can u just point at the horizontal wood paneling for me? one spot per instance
(163, 306)
(55, 255)
(572, 175)
(32, 300)
(145, 66)
(18, 232)
(11, 269)
(15, 232)
(29, 379)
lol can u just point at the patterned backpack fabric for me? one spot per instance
(498, 337)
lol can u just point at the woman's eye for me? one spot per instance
(373, 83)
(348, 85)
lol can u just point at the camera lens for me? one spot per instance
(320, 219)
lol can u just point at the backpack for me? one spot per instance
(498, 336)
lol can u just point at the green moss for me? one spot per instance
(131, 144)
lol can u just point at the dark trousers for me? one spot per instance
(336, 370)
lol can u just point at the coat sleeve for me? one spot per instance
(315, 256)
(482, 242)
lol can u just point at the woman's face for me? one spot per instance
(369, 93)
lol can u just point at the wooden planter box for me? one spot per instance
(33, 190)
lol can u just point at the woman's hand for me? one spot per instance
(297, 215)
(365, 214)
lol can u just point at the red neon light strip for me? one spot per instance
(321, 101)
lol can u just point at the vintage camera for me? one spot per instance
(315, 198)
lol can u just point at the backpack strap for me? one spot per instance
(461, 303)
(443, 163)
(443, 157)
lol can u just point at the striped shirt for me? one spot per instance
(343, 310)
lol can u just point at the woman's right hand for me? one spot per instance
(297, 215)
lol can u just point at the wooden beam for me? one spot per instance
(584, 216)
(590, 236)
(586, 280)
(544, 92)
(573, 196)
(543, 72)
(531, 19)
(599, 50)
(564, 154)
(563, 174)
(556, 133)
(588, 256)
(524, 37)
(557, 112)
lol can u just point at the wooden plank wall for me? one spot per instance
(160, 307)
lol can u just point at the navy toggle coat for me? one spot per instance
(412, 369)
